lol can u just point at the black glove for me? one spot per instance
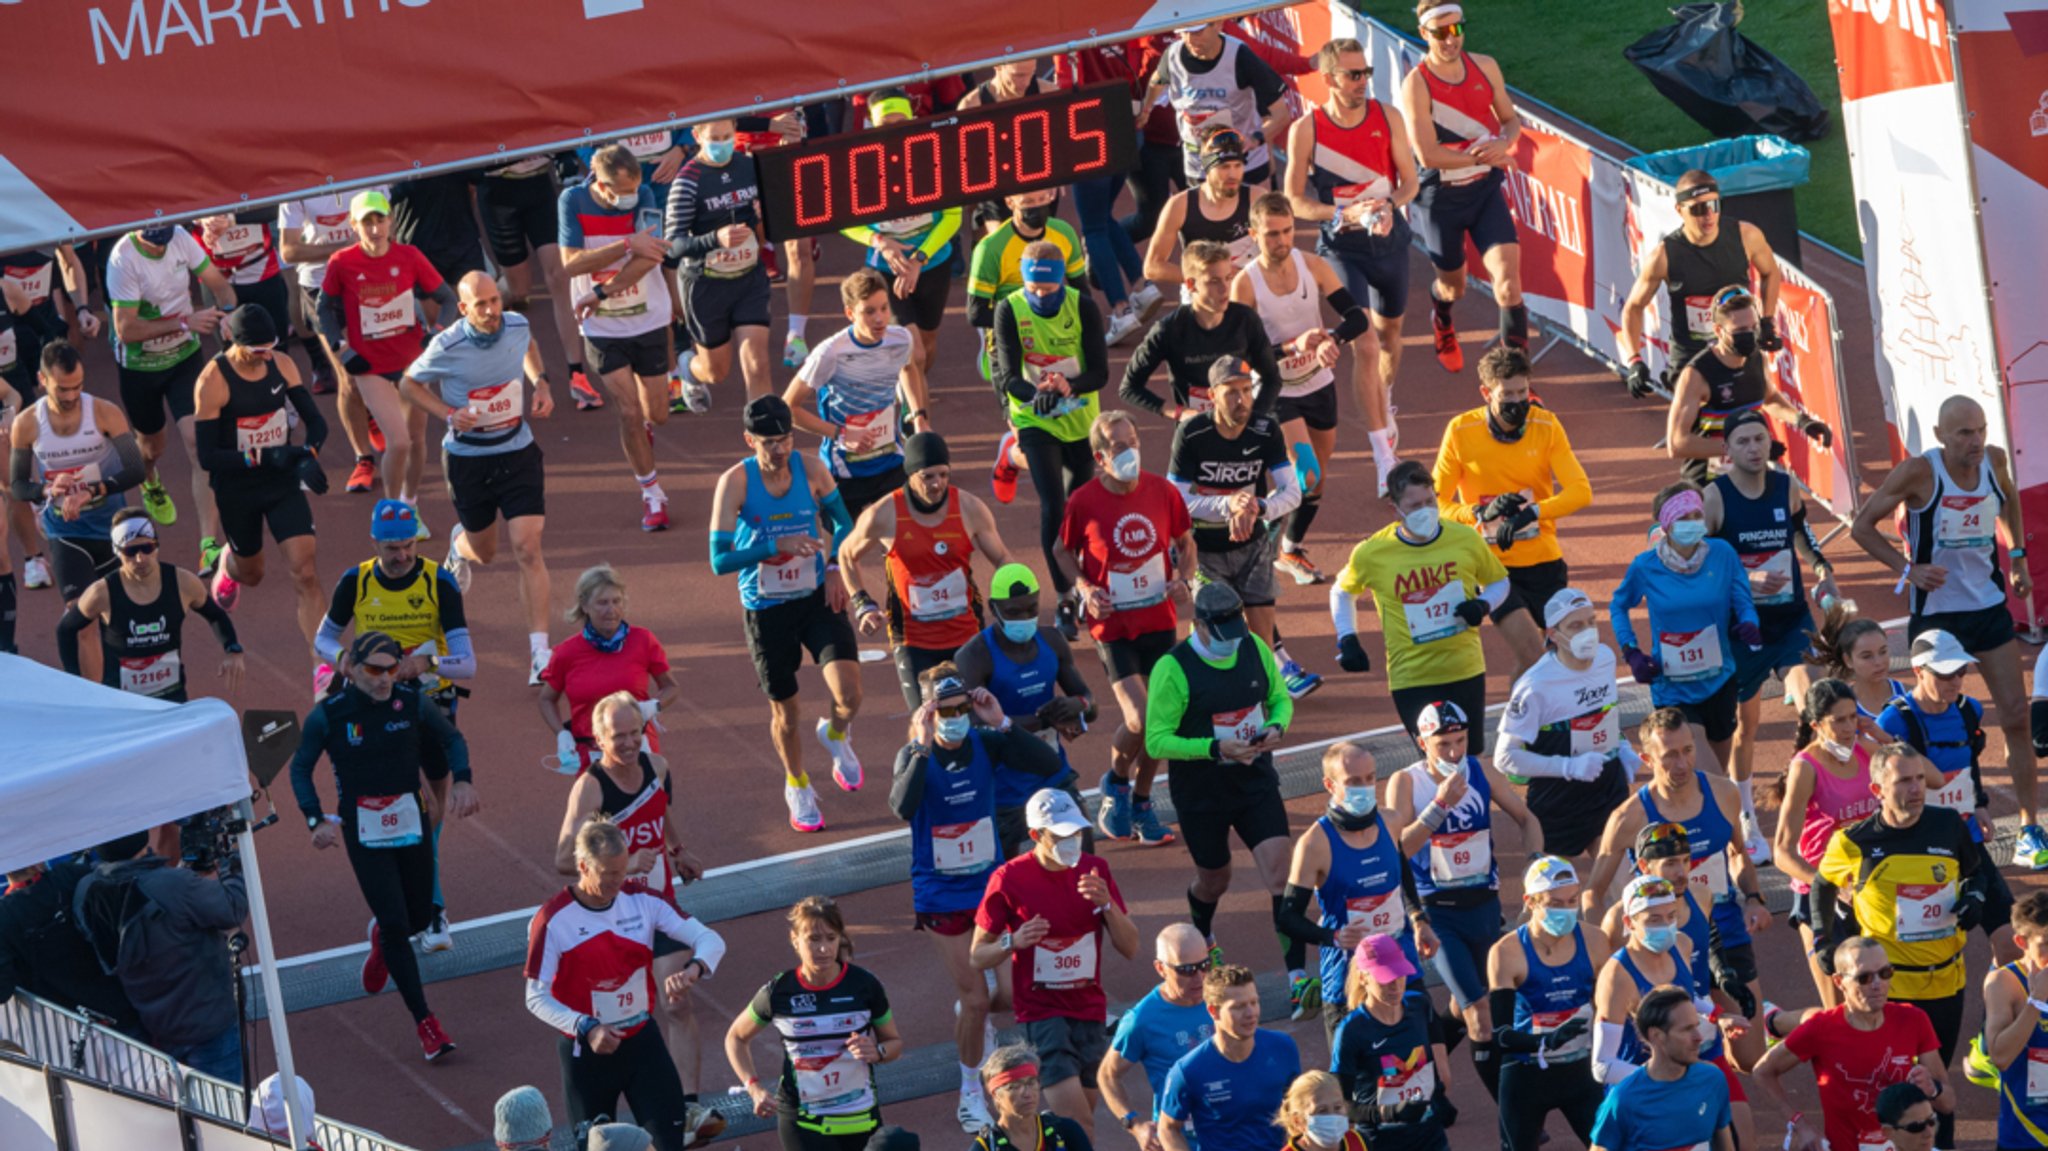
(1813, 429)
(1767, 335)
(1501, 505)
(1501, 534)
(311, 473)
(1777, 450)
(1572, 1029)
(1351, 654)
(1638, 379)
(1472, 611)
(1969, 911)
(283, 457)
(1520, 518)
(1044, 402)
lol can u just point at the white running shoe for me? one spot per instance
(539, 665)
(1122, 325)
(437, 937)
(1146, 298)
(845, 764)
(458, 565)
(35, 573)
(803, 808)
(1753, 841)
(973, 1111)
(696, 396)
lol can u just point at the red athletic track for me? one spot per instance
(362, 1057)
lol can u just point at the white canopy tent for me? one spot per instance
(85, 763)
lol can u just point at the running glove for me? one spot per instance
(1351, 654)
(1472, 611)
(1813, 429)
(1638, 379)
(1584, 767)
(1767, 336)
(311, 473)
(1749, 634)
(1969, 911)
(1508, 525)
(1506, 504)
(1643, 667)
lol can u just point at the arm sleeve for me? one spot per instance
(1279, 704)
(1021, 751)
(341, 608)
(941, 234)
(68, 627)
(1285, 495)
(21, 476)
(1608, 1067)
(444, 297)
(312, 740)
(1505, 1035)
(1166, 701)
(1094, 348)
(1006, 357)
(1212, 508)
(1295, 923)
(840, 519)
(1352, 322)
(727, 559)
(1495, 593)
(332, 325)
(906, 787)
(128, 467)
(454, 748)
(223, 627)
(216, 453)
(460, 662)
(1136, 387)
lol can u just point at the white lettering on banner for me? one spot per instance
(1551, 211)
(151, 26)
(1927, 26)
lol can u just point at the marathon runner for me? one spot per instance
(370, 316)
(72, 456)
(1350, 170)
(243, 434)
(1286, 287)
(1826, 786)
(1560, 731)
(1755, 510)
(1158, 1030)
(1463, 126)
(156, 345)
(474, 375)
(1433, 584)
(1355, 870)
(606, 655)
(1127, 545)
(383, 737)
(520, 207)
(1508, 469)
(1212, 78)
(140, 610)
(45, 315)
(309, 232)
(1192, 337)
(711, 226)
(1389, 1053)
(1956, 582)
(928, 532)
(996, 269)
(1664, 851)
(1542, 981)
(946, 786)
(860, 381)
(914, 254)
(1442, 806)
(1691, 265)
(2012, 1027)
(242, 247)
(1010, 1080)
(767, 516)
(1049, 929)
(1675, 1097)
(1216, 208)
(437, 215)
(1049, 363)
(1656, 953)
(1316, 1116)
(1230, 1088)
(1727, 377)
(610, 232)
(589, 955)
(631, 788)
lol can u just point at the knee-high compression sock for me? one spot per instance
(1293, 951)
(1298, 522)
(1201, 913)
(1442, 308)
(1483, 1061)
(1514, 326)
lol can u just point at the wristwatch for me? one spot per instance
(1756, 897)
(1129, 1119)
(598, 291)
(1003, 941)
(313, 822)
(233, 649)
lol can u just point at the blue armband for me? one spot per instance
(726, 559)
(840, 519)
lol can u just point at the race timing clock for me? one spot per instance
(920, 166)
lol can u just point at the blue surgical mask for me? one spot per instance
(1327, 1130)
(1124, 466)
(1560, 920)
(1359, 800)
(1660, 939)
(1020, 630)
(1047, 305)
(1421, 523)
(1213, 648)
(719, 151)
(1686, 533)
(953, 729)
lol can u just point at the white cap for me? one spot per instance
(267, 1107)
(1055, 811)
(1940, 652)
(1548, 873)
(1563, 604)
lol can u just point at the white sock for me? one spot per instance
(538, 641)
(650, 488)
(1382, 442)
(970, 1079)
(1742, 786)
(1280, 655)
(796, 325)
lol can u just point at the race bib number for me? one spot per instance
(649, 146)
(1400, 1085)
(1597, 733)
(1689, 655)
(1299, 368)
(1963, 522)
(1927, 911)
(1545, 1022)
(869, 435)
(388, 820)
(1383, 914)
(150, 674)
(1432, 616)
(254, 433)
(625, 1004)
(168, 342)
(942, 597)
(382, 321)
(627, 301)
(1037, 365)
(787, 576)
(332, 229)
(234, 242)
(1959, 794)
(1242, 725)
(728, 262)
(1460, 858)
(1141, 586)
(1064, 963)
(1699, 317)
(34, 283)
(82, 474)
(1765, 567)
(2037, 1076)
(964, 848)
(499, 408)
(10, 350)
(1709, 879)
(825, 1080)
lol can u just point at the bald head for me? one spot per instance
(1959, 411)
(1960, 428)
(477, 298)
(1180, 943)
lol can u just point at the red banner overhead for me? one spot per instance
(145, 107)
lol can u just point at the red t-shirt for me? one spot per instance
(379, 303)
(1121, 543)
(1062, 976)
(1852, 1066)
(583, 675)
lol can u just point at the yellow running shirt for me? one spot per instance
(1472, 467)
(1416, 589)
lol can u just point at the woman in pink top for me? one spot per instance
(1829, 781)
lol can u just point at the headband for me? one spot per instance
(128, 531)
(374, 643)
(1036, 271)
(1699, 191)
(890, 106)
(1677, 507)
(1451, 10)
(1010, 1075)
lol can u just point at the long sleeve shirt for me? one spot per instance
(1689, 620)
(1167, 702)
(1474, 465)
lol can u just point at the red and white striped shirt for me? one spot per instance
(598, 962)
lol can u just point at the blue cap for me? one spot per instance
(393, 520)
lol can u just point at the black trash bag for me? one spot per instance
(1720, 78)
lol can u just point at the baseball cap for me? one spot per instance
(1382, 958)
(1563, 604)
(1218, 608)
(1055, 811)
(367, 204)
(767, 416)
(1548, 873)
(1647, 891)
(1940, 652)
(1443, 715)
(1662, 841)
(1227, 369)
(393, 520)
(618, 1137)
(522, 1119)
(1012, 579)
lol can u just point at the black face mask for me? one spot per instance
(1514, 413)
(1349, 822)
(1035, 218)
(1510, 422)
(1744, 342)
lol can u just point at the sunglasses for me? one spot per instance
(133, 550)
(380, 670)
(1703, 208)
(1661, 833)
(1446, 32)
(953, 710)
(1196, 968)
(1349, 73)
(1657, 889)
(1920, 1128)
(1866, 978)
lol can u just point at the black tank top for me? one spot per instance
(611, 798)
(255, 416)
(141, 641)
(1729, 390)
(1692, 275)
(1233, 231)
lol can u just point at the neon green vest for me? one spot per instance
(1053, 345)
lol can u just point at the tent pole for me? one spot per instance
(300, 1123)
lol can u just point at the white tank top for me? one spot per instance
(1956, 529)
(1288, 316)
(86, 448)
(1198, 98)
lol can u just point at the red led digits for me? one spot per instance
(983, 149)
(1096, 135)
(853, 175)
(823, 164)
(1022, 153)
(910, 168)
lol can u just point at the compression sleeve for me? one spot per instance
(840, 519)
(1294, 920)
(1343, 611)
(1608, 1066)
(1215, 509)
(727, 559)
(460, 660)
(444, 298)
(214, 454)
(301, 400)
(332, 323)
(128, 468)
(1286, 493)
(68, 627)
(1517, 758)
(1495, 593)
(1506, 1036)
(21, 476)
(1135, 389)
(906, 787)
(1352, 322)
(223, 627)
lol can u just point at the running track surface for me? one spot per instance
(362, 1057)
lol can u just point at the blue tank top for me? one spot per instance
(953, 847)
(765, 517)
(1698, 930)
(1550, 996)
(1633, 1049)
(1450, 861)
(1899, 691)
(1020, 690)
(1708, 833)
(2023, 1115)
(1367, 883)
(1760, 530)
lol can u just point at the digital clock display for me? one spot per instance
(921, 166)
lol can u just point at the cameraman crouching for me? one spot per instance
(162, 931)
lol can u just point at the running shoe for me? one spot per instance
(323, 377)
(1122, 326)
(1147, 297)
(1448, 353)
(1145, 823)
(695, 395)
(437, 937)
(1770, 1013)
(419, 517)
(35, 573)
(323, 679)
(1304, 997)
(209, 556)
(1297, 566)
(1215, 954)
(803, 808)
(2031, 850)
(364, 477)
(972, 1113)
(457, 564)
(587, 398)
(795, 350)
(1113, 814)
(434, 1042)
(376, 976)
(225, 590)
(376, 437)
(538, 667)
(1301, 682)
(656, 517)
(845, 764)
(1067, 617)
(1753, 841)
(1978, 1067)
(701, 1125)
(157, 502)
(1002, 478)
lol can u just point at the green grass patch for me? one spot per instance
(1569, 55)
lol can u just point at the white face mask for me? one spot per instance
(1067, 851)
(1450, 767)
(1421, 523)
(1327, 1130)
(1124, 465)
(1583, 644)
(1841, 751)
